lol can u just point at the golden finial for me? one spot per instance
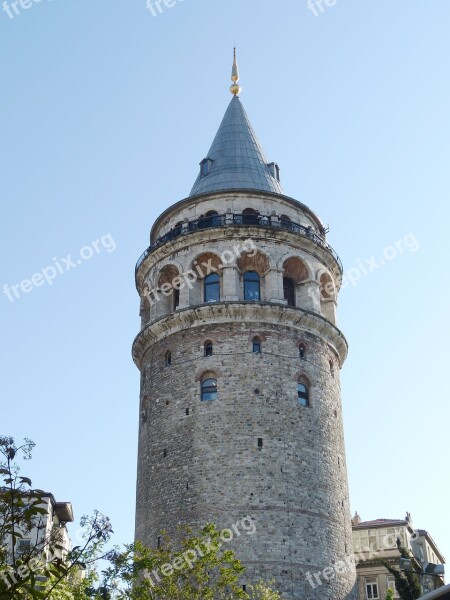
(235, 88)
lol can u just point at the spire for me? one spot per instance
(236, 160)
(235, 89)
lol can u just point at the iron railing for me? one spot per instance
(236, 220)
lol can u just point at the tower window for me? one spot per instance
(159, 542)
(252, 286)
(285, 222)
(302, 351)
(208, 349)
(257, 346)
(212, 288)
(168, 359)
(209, 390)
(250, 216)
(165, 452)
(289, 291)
(303, 394)
(176, 299)
(260, 443)
(205, 166)
(331, 368)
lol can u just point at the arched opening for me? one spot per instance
(209, 390)
(212, 288)
(206, 287)
(252, 286)
(168, 359)
(250, 216)
(208, 348)
(302, 351)
(211, 218)
(257, 345)
(168, 297)
(285, 222)
(289, 291)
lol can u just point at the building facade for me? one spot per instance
(239, 355)
(375, 540)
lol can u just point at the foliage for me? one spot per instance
(390, 594)
(45, 565)
(407, 582)
(198, 569)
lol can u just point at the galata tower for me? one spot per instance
(239, 355)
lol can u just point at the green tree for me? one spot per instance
(389, 594)
(45, 565)
(406, 582)
(199, 568)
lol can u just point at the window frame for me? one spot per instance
(303, 396)
(251, 282)
(289, 293)
(208, 349)
(208, 285)
(257, 345)
(208, 390)
(373, 582)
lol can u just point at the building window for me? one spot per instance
(390, 584)
(252, 286)
(176, 299)
(23, 546)
(372, 589)
(212, 288)
(208, 349)
(260, 443)
(289, 291)
(168, 359)
(257, 346)
(302, 351)
(209, 389)
(303, 394)
(285, 221)
(250, 216)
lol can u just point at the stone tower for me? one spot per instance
(239, 354)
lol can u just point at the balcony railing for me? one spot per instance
(238, 220)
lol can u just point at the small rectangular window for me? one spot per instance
(187, 412)
(165, 453)
(260, 442)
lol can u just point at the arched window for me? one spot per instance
(303, 394)
(212, 288)
(168, 359)
(208, 349)
(250, 216)
(252, 286)
(302, 351)
(285, 221)
(289, 291)
(257, 346)
(331, 368)
(211, 218)
(209, 389)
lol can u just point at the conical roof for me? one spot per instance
(236, 159)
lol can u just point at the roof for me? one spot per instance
(380, 523)
(236, 158)
(442, 593)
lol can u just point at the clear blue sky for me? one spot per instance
(106, 112)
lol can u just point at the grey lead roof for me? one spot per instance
(238, 160)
